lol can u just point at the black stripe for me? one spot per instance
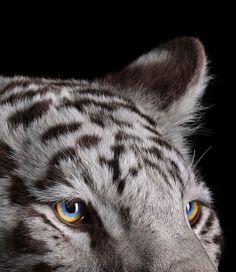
(66, 83)
(125, 217)
(208, 223)
(161, 142)
(174, 171)
(154, 152)
(120, 123)
(93, 225)
(21, 240)
(44, 267)
(88, 141)
(102, 243)
(7, 162)
(104, 93)
(114, 165)
(141, 114)
(117, 150)
(54, 174)
(109, 106)
(98, 234)
(23, 83)
(53, 177)
(18, 97)
(210, 220)
(58, 130)
(120, 186)
(86, 176)
(64, 154)
(218, 240)
(153, 130)
(19, 193)
(44, 85)
(165, 144)
(46, 221)
(29, 94)
(218, 256)
(155, 166)
(133, 172)
(26, 116)
(122, 136)
(81, 103)
(103, 161)
(96, 119)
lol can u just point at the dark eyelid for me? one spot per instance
(206, 204)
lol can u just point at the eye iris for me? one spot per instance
(69, 212)
(193, 210)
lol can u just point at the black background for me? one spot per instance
(67, 44)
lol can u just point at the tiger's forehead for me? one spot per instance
(76, 135)
(82, 159)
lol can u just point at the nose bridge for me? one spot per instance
(167, 252)
(161, 251)
(186, 254)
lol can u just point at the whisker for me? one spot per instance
(195, 165)
(193, 158)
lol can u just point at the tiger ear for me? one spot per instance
(167, 82)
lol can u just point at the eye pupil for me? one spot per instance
(71, 208)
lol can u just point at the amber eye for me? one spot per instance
(71, 211)
(193, 211)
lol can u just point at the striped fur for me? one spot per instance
(117, 143)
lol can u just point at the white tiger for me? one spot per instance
(97, 176)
